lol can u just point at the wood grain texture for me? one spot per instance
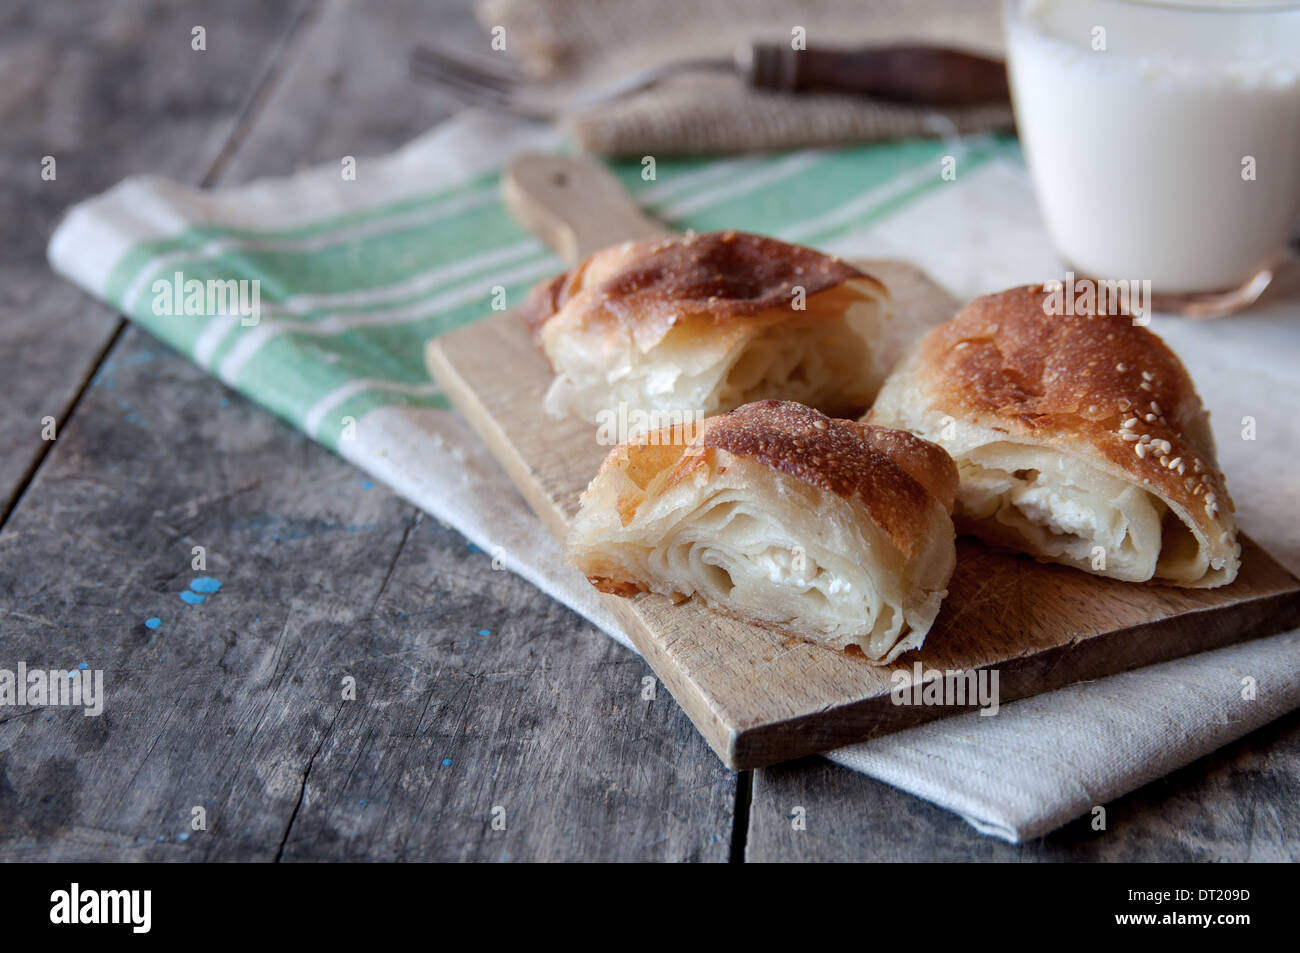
(235, 705)
(1239, 804)
(760, 697)
(101, 86)
(572, 204)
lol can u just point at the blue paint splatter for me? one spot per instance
(183, 837)
(152, 623)
(474, 549)
(446, 762)
(72, 675)
(205, 584)
(83, 666)
(193, 598)
(484, 631)
(367, 485)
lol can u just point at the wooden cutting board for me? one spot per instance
(760, 696)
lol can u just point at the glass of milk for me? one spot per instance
(1163, 139)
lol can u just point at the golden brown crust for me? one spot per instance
(646, 287)
(1006, 360)
(926, 462)
(895, 475)
(543, 300)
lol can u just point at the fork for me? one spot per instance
(923, 75)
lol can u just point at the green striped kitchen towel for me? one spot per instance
(314, 295)
(354, 273)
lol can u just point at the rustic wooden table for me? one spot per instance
(238, 711)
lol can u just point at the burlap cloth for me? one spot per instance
(699, 113)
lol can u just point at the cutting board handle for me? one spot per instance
(573, 204)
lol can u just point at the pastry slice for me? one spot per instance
(1079, 439)
(836, 531)
(694, 325)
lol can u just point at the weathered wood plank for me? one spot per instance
(541, 720)
(106, 88)
(347, 90)
(1241, 803)
(235, 705)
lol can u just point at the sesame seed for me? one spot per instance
(1146, 438)
(1141, 450)
(1132, 421)
(1155, 407)
(1175, 462)
(1150, 418)
(1145, 386)
(1125, 403)
(1164, 461)
(1121, 367)
(1127, 435)
(1148, 376)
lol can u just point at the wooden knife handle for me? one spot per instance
(923, 75)
(573, 204)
